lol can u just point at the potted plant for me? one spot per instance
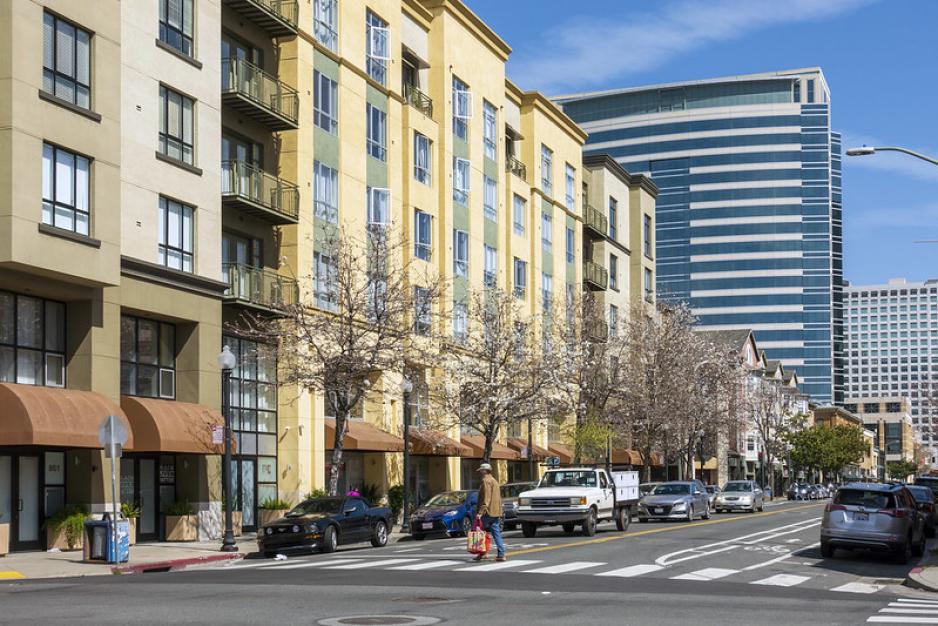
(181, 522)
(272, 508)
(4, 536)
(131, 510)
(65, 530)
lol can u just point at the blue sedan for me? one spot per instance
(450, 512)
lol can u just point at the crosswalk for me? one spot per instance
(907, 611)
(409, 562)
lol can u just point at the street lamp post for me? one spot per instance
(406, 386)
(530, 449)
(867, 150)
(227, 362)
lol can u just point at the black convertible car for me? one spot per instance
(324, 523)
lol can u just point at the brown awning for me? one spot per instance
(630, 457)
(516, 443)
(476, 445)
(427, 442)
(171, 426)
(43, 416)
(562, 450)
(363, 436)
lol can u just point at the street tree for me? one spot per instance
(901, 470)
(827, 448)
(771, 418)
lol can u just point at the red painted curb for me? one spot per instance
(173, 564)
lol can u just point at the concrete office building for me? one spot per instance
(889, 417)
(749, 208)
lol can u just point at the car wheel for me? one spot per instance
(706, 514)
(465, 526)
(623, 518)
(329, 540)
(904, 553)
(919, 548)
(529, 529)
(379, 535)
(569, 528)
(690, 514)
(827, 550)
(589, 524)
(761, 506)
(418, 536)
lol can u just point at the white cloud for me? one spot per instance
(594, 51)
(889, 162)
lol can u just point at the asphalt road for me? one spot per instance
(733, 569)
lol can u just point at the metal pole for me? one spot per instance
(228, 543)
(114, 458)
(530, 450)
(405, 524)
(609, 454)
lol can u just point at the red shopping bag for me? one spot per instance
(478, 541)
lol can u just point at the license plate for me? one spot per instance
(659, 510)
(861, 517)
(427, 525)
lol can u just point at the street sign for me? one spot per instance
(552, 461)
(524, 452)
(218, 434)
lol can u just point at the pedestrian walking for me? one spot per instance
(489, 511)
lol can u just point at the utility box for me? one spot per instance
(99, 541)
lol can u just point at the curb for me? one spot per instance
(916, 579)
(174, 564)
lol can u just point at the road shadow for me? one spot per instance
(862, 563)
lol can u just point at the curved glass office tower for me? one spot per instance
(749, 228)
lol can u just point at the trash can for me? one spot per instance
(96, 540)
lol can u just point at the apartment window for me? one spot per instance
(176, 136)
(326, 193)
(422, 235)
(422, 311)
(326, 23)
(570, 244)
(377, 132)
(460, 253)
(490, 199)
(176, 24)
(148, 358)
(489, 129)
(518, 210)
(379, 206)
(521, 278)
(65, 189)
(490, 273)
(462, 109)
(570, 193)
(66, 61)
(649, 285)
(613, 218)
(377, 47)
(613, 272)
(461, 181)
(547, 231)
(460, 321)
(325, 289)
(325, 103)
(32, 340)
(177, 223)
(797, 91)
(613, 320)
(422, 161)
(646, 235)
(547, 176)
(547, 291)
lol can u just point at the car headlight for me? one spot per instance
(578, 501)
(524, 501)
(679, 506)
(451, 513)
(312, 528)
(269, 531)
(719, 499)
(295, 528)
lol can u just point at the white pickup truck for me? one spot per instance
(581, 496)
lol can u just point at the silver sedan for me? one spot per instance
(740, 495)
(681, 500)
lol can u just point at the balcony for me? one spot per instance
(259, 96)
(596, 330)
(418, 100)
(258, 288)
(255, 192)
(514, 165)
(595, 221)
(595, 276)
(278, 18)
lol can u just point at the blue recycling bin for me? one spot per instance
(121, 552)
(99, 541)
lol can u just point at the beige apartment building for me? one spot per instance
(891, 418)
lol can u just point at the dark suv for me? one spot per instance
(928, 481)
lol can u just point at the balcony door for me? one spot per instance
(232, 51)
(240, 157)
(239, 257)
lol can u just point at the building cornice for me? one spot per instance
(417, 12)
(472, 22)
(168, 277)
(542, 103)
(603, 159)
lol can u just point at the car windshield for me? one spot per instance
(327, 506)
(711, 489)
(569, 479)
(671, 489)
(737, 487)
(448, 498)
(931, 483)
(512, 491)
(865, 498)
(921, 494)
(647, 487)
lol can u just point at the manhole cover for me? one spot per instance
(379, 620)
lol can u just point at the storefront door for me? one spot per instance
(139, 485)
(24, 533)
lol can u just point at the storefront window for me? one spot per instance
(32, 341)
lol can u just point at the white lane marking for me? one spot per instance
(913, 611)
(781, 580)
(903, 619)
(408, 550)
(858, 588)
(914, 605)
(633, 570)
(564, 567)
(696, 555)
(708, 573)
(749, 539)
(777, 559)
(917, 601)
(428, 565)
(491, 567)
(288, 565)
(248, 565)
(365, 564)
(795, 540)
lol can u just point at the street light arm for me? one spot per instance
(871, 150)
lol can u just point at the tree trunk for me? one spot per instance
(341, 427)
(490, 434)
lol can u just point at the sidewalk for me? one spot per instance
(925, 574)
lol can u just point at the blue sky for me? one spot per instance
(880, 58)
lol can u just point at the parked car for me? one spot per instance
(821, 492)
(646, 488)
(450, 512)
(928, 481)
(324, 524)
(798, 491)
(925, 500)
(873, 516)
(713, 491)
(812, 492)
(740, 495)
(683, 500)
(510, 493)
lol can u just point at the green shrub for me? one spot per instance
(71, 520)
(317, 493)
(130, 509)
(396, 500)
(179, 509)
(275, 504)
(372, 493)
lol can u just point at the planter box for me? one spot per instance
(56, 539)
(132, 534)
(269, 515)
(236, 519)
(182, 527)
(4, 539)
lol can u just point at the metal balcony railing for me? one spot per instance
(514, 165)
(418, 100)
(278, 18)
(254, 191)
(594, 220)
(259, 287)
(597, 330)
(258, 95)
(595, 275)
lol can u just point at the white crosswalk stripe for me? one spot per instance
(305, 564)
(633, 570)
(492, 567)
(367, 564)
(428, 565)
(709, 573)
(564, 567)
(858, 588)
(907, 611)
(781, 580)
